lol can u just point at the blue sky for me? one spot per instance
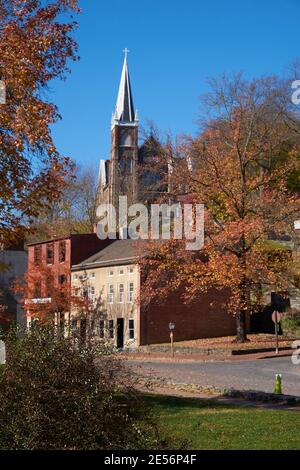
(175, 46)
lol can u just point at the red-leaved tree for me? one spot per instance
(240, 167)
(36, 42)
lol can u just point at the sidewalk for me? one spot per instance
(194, 357)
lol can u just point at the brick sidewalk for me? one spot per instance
(163, 357)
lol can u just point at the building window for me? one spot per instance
(37, 254)
(130, 292)
(49, 288)
(77, 291)
(121, 293)
(50, 253)
(92, 292)
(121, 271)
(101, 329)
(62, 252)
(130, 270)
(111, 329)
(85, 293)
(110, 297)
(131, 329)
(62, 278)
(111, 272)
(37, 290)
(75, 276)
(73, 326)
(92, 276)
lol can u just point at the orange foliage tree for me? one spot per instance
(44, 294)
(47, 296)
(35, 44)
(237, 168)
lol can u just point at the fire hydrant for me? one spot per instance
(277, 389)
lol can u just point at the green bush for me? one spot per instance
(54, 395)
(290, 324)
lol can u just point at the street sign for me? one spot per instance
(276, 319)
(171, 326)
(276, 316)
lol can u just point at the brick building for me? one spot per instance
(58, 255)
(112, 279)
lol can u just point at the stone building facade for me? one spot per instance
(112, 280)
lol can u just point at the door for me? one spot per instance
(120, 333)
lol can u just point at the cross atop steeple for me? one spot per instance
(124, 107)
(126, 51)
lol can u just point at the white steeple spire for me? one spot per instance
(124, 106)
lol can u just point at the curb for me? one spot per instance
(253, 395)
(207, 351)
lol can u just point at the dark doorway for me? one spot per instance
(120, 333)
(261, 322)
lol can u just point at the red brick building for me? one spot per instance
(113, 279)
(59, 254)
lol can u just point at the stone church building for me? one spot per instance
(130, 168)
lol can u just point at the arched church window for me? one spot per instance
(126, 139)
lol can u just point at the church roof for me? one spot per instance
(124, 106)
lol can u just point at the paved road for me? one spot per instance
(243, 375)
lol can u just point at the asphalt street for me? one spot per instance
(256, 374)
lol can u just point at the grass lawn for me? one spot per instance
(213, 426)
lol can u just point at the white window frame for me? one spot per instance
(130, 270)
(130, 292)
(131, 329)
(110, 293)
(92, 292)
(121, 269)
(121, 300)
(110, 273)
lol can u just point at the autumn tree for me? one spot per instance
(44, 295)
(235, 168)
(73, 212)
(36, 42)
(48, 296)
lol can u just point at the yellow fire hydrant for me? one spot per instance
(277, 389)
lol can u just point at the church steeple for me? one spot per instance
(124, 112)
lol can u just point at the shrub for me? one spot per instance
(290, 323)
(54, 395)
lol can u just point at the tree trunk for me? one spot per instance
(241, 334)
